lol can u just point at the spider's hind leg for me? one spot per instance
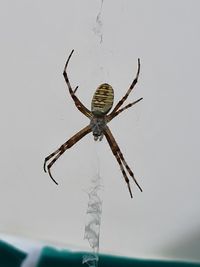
(120, 103)
(72, 92)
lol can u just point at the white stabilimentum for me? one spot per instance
(93, 221)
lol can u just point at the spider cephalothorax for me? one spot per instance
(98, 125)
(102, 103)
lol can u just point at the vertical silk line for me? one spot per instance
(98, 27)
(93, 222)
(94, 209)
(93, 216)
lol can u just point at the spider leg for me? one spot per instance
(75, 89)
(49, 157)
(128, 92)
(109, 117)
(110, 142)
(123, 172)
(118, 154)
(69, 143)
(77, 136)
(77, 102)
(129, 170)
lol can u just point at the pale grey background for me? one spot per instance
(159, 137)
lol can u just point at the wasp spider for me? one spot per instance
(102, 103)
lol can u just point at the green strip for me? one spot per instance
(10, 256)
(62, 258)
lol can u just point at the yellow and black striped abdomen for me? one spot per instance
(102, 100)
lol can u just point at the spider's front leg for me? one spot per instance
(69, 143)
(120, 158)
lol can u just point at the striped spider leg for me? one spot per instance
(120, 159)
(74, 139)
(116, 110)
(72, 92)
(69, 143)
(110, 138)
(109, 118)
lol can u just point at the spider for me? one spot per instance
(102, 103)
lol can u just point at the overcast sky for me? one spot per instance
(159, 137)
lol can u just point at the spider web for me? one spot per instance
(94, 209)
(93, 220)
(99, 24)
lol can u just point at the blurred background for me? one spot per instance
(159, 137)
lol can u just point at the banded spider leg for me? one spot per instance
(120, 158)
(57, 153)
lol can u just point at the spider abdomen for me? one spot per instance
(102, 100)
